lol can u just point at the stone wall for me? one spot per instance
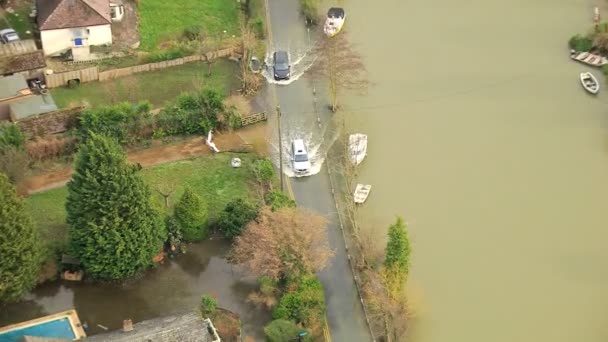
(50, 123)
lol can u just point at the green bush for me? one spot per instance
(278, 199)
(263, 170)
(192, 32)
(305, 304)
(281, 330)
(580, 43)
(195, 113)
(235, 217)
(208, 305)
(122, 122)
(310, 11)
(19, 245)
(11, 136)
(168, 55)
(257, 26)
(191, 214)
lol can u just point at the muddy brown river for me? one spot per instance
(482, 137)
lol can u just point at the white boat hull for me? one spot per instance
(361, 193)
(589, 58)
(589, 82)
(334, 21)
(357, 146)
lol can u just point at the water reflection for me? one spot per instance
(172, 287)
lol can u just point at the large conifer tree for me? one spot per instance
(114, 230)
(19, 245)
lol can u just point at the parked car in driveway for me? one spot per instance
(8, 36)
(282, 69)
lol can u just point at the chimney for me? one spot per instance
(127, 325)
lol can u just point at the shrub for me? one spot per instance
(257, 26)
(192, 32)
(310, 11)
(168, 55)
(304, 304)
(120, 122)
(580, 43)
(174, 232)
(278, 199)
(281, 330)
(263, 170)
(10, 135)
(194, 113)
(191, 214)
(19, 245)
(208, 305)
(235, 217)
(14, 163)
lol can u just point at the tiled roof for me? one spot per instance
(22, 62)
(58, 14)
(183, 328)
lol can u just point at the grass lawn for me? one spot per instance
(19, 21)
(162, 20)
(158, 86)
(210, 176)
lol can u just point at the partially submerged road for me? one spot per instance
(299, 119)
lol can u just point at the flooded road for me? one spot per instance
(173, 287)
(481, 136)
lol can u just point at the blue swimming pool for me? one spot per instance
(58, 328)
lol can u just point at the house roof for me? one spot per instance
(22, 62)
(184, 328)
(11, 86)
(41, 339)
(59, 14)
(31, 106)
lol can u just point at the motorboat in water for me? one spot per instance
(361, 193)
(357, 147)
(589, 82)
(334, 21)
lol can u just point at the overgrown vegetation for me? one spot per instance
(208, 305)
(237, 214)
(114, 230)
(310, 11)
(19, 245)
(281, 330)
(157, 87)
(13, 157)
(161, 21)
(580, 43)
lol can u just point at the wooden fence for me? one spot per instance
(254, 118)
(62, 78)
(93, 74)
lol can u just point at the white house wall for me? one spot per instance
(55, 41)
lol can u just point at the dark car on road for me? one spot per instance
(282, 69)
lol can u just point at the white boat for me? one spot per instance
(589, 82)
(334, 21)
(361, 193)
(589, 58)
(357, 147)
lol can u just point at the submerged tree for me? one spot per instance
(286, 242)
(19, 245)
(114, 230)
(341, 65)
(397, 259)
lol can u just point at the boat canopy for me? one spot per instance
(335, 12)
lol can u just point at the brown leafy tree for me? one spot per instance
(341, 65)
(288, 241)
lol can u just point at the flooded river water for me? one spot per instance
(483, 139)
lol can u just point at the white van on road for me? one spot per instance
(299, 157)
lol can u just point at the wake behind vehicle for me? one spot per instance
(334, 21)
(282, 69)
(299, 157)
(589, 82)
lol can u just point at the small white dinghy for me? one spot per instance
(334, 21)
(357, 146)
(589, 82)
(361, 193)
